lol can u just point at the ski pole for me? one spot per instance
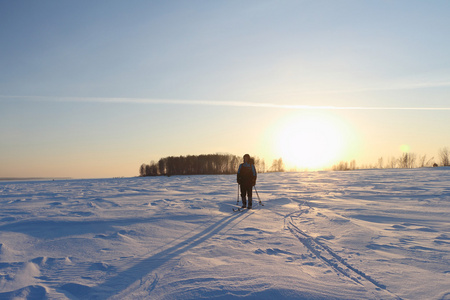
(260, 203)
(237, 199)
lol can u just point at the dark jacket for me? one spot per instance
(246, 174)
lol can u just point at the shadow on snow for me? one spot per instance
(124, 279)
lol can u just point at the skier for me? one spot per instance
(246, 177)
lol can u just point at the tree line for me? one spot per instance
(405, 161)
(207, 164)
(204, 164)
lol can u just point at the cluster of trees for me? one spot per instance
(344, 166)
(277, 166)
(203, 164)
(405, 161)
(229, 164)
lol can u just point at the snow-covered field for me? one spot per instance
(373, 234)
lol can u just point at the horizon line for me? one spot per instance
(213, 103)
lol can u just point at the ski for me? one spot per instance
(242, 209)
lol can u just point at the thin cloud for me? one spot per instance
(398, 87)
(213, 103)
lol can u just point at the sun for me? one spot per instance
(310, 140)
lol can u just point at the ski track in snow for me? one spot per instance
(329, 257)
(375, 234)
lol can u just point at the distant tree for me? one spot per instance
(162, 166)
(234, 164)
(407, 160)
(444, 156)
(147, 170)
(403, 160)
(430, 162)
(344, 166)
(341, 166)
(392, 163)
(260, 165)
(142, 170)
(380, 163)
(423, 162)
(277, 165)
(412, 160)
(152, 169)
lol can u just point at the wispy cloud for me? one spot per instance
(393, 87)
(213, 103)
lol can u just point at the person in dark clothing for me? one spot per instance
(246, 177)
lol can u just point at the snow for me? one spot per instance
(367, 234)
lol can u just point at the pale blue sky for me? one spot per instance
(83, 84)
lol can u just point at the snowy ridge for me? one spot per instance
(381, 234)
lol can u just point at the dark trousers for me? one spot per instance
(246, 191)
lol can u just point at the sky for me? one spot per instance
(95, 89)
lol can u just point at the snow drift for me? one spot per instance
(373, 234)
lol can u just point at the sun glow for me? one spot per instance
(312, 141)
